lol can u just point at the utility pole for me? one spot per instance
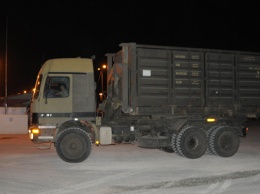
(6, 43)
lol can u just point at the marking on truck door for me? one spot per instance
(180, 56)
(178, 82)
(195, 57)
(195, 82)
(195, 65)
(181, 73)
(195, 74)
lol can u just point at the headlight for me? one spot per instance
(35, 131)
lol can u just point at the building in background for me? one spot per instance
(18, 100)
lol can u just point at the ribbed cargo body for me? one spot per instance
(178, 81)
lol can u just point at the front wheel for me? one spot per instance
(73, 145)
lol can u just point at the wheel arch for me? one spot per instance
(84, 125)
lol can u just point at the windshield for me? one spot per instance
(37, 86)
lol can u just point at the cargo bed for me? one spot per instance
(184, 81)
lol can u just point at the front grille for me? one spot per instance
(34, 119)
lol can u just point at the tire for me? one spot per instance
(191, 142)
(224, 142)
(73, 145)
(118, 139)
(153, 142)
(167, 149)
(209, 132)
(132, 138)
(213, 128)
(173, 143)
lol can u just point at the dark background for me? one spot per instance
(41, 30)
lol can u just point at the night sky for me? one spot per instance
(41, 30)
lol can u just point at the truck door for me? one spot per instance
(55, 104)
(220, 82)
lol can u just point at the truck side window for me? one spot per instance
(56, 87)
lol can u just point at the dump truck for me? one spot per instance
(188, 101)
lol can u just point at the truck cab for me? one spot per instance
(50, 109)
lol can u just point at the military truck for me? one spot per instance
(183, 100)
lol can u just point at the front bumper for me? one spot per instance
(42, 134)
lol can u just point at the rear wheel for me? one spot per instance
(209, 132)
(173, 143)
(73, 145)
(191, 142)
(224, 142)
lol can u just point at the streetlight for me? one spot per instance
(104, 66)
(100, 96)
(6, 38)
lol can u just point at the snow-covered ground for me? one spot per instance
(128, 169)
